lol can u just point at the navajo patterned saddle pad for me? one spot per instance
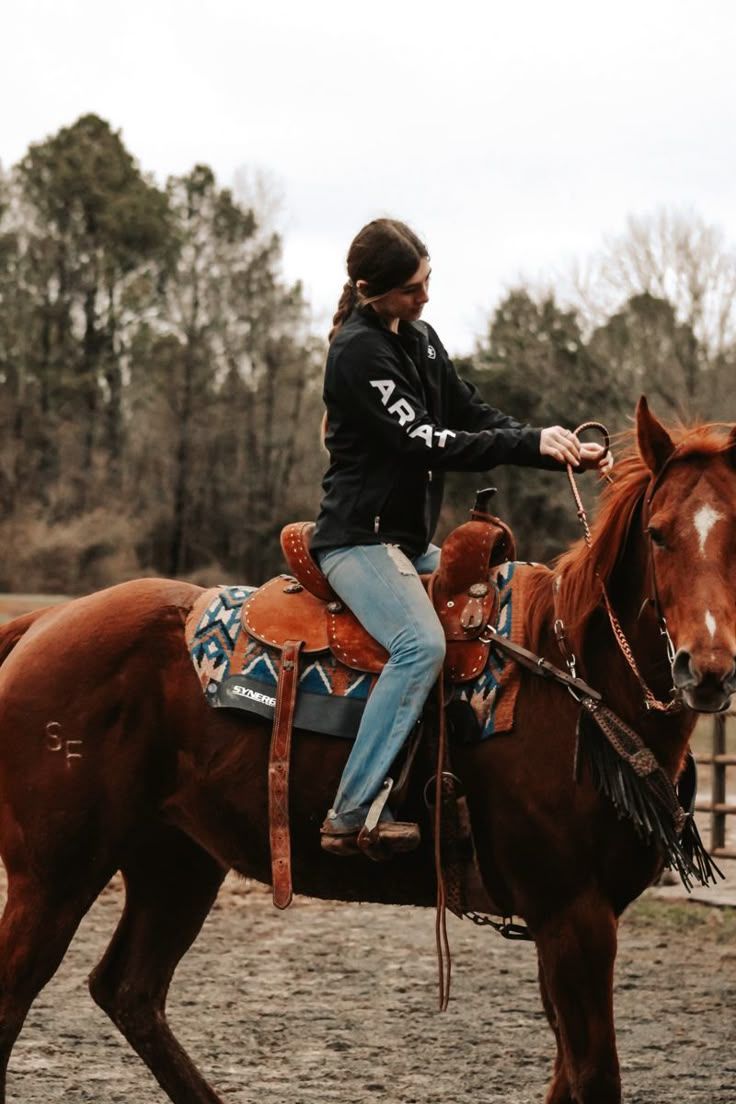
(239, 672)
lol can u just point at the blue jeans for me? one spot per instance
(383, 589)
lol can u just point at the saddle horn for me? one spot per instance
(480, 509)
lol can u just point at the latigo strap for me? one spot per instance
(278, 774)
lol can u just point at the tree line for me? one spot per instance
(160, 384)
(160, 392)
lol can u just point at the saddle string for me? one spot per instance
(650, 699)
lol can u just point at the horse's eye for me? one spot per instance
(656, 536)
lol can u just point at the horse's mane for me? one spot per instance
(578, 571)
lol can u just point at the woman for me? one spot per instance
(398, 417)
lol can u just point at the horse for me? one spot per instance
(112, 760)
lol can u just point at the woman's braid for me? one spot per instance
(348, 299)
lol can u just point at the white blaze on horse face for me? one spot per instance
(710, 623)
(705, 518)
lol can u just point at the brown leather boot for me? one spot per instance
(339, 841)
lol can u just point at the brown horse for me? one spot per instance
(110, 759)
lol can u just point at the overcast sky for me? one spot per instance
(513, 136)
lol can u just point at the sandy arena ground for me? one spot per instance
(337, 1003)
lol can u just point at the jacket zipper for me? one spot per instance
(428, 505)
(377, 518)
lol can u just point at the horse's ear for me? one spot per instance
(655, 444)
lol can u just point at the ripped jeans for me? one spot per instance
(383, 589)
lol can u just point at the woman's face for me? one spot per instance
(405, 303)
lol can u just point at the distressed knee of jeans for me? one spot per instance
(400, 560)
(426, 651)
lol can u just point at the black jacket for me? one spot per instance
(398, 418)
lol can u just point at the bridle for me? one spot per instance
(651, 701)
(646, 509)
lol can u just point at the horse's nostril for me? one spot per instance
(730, 682)
(682, 671)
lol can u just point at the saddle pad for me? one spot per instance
(238, 672)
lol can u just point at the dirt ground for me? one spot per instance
(328, 1003)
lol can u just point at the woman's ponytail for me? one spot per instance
(348, 299)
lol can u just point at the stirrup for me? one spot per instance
(388, 838)
(345, 841)
(378, 839)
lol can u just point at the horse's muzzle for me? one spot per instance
(705, 687)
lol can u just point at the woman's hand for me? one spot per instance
(563, 445)
(596, 456)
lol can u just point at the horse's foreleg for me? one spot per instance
(171, 884)
(577, 949)
(559, 1089)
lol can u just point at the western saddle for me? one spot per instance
(300, 613)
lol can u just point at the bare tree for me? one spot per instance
(671, 255)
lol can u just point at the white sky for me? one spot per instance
(513, 136)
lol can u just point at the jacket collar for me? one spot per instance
(366, 316)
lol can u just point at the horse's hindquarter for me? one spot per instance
(83, 748)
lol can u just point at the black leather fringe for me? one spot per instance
(625, 771)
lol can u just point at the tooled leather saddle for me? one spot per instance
(303, 607)
(300, 613)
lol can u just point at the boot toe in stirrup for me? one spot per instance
(339, 841)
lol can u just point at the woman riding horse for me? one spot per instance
(398, 418)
